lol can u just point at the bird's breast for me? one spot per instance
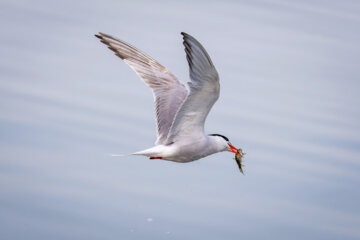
(187, 151)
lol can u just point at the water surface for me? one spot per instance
(290, 98)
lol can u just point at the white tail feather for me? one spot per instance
(154, 151)
(120, 155)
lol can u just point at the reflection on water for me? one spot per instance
(289, 99)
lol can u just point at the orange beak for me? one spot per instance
(232, 148)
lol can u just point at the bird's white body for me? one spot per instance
(187, 150)
(180, 112)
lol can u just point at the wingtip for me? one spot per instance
(101, 35)
(184, 34)
(118, 155)
(188, 37)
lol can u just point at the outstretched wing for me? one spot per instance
(204, 91)
(169, 93)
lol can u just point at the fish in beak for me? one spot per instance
(238, 156)
(238, 159)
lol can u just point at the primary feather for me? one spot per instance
(168, 91)
(204, 91)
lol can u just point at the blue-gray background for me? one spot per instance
(290, 98)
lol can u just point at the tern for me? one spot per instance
(180, 112)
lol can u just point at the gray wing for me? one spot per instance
(204, 91)
(169, 93)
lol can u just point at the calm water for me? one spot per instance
(290, 98)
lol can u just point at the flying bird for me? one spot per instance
(180, 112)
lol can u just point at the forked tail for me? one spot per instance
(150, 152)
(120, 155)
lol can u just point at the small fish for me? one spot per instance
(238, 158)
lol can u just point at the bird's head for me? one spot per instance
(224, 143)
